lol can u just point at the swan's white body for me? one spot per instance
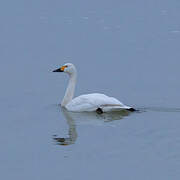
(91, 102)
(87, 102)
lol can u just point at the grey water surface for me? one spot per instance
(126, 49)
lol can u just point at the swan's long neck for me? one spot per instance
(70, 90)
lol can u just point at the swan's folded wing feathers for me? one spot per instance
(90, 102)
(81, 103)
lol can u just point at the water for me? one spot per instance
(125, 49)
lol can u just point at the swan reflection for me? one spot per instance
(85, 118)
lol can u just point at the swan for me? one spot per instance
(87, 102)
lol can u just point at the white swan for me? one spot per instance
(88, 102)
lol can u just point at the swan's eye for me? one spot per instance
(63, 67)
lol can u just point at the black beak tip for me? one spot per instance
(57, 70)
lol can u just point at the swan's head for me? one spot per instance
(67, 68)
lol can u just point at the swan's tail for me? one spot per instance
(116, 108)
(131, 109)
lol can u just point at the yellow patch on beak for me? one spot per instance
(63, 67)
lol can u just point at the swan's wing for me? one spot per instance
(82, 103)
(90, 102)
(109, 107)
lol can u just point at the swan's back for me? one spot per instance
(90, 102)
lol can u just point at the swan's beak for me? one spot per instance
(58, 70)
